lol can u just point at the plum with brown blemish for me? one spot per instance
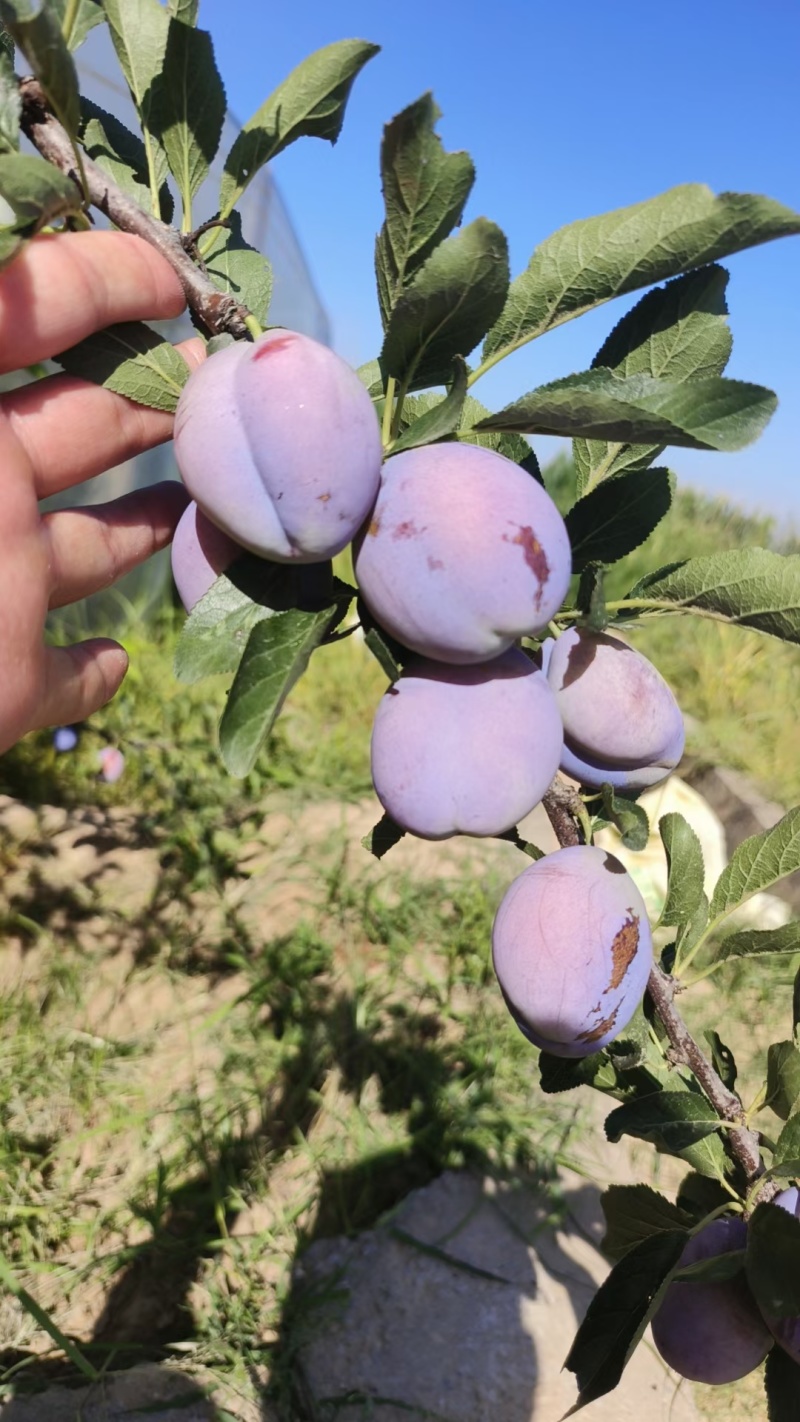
(200, 552)
(464, 553)
(622, 724)
(572, 950)
(465, 749)
(710, 1330)
(278, 442)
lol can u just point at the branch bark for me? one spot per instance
(217, 310)
(561, 807)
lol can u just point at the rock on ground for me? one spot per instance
(141, 1393)
(461, 1308)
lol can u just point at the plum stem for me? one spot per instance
(565, 810)
(217, 310)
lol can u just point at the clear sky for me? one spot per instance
(568, 110)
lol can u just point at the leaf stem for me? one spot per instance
(398, 412)
(217, 310)
(388, 404)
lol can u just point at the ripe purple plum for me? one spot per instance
(622, 723)
(465, 750)
(572, 950)
(787, 1330)
(463, 554)
(200, 552)
(711, 1331)
(278, 442)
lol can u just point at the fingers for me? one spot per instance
(91, 548)
(78, 681)
(62, 288)
(50, 418)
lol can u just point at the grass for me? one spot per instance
(277, 1039)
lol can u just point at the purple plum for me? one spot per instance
(465, 750)
(278, 442)
(463, 554)
(711, 1331)
(787, 1330)
(200, 552)
(622, 723)
(572, 950)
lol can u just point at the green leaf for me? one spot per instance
(370, 376)
(525, 846)
(512, 446)
(672, 1120)
(716, 1270)
(37, 192)
(685, 869)
(376, 642)
(751, 942)
(697, 414)
(773, 1260)
(782, 1385)
(565, 1073)
(757, 863)
(39, 36)
(85, 15)
(752, 587)
(722, 1058)
(677, 332)
(617, 516)
(235, 266)
(122, 155)
(216, 632)
(619, 1313)
(590, 597)
(184, 10)
(787, 1146)
(10, 105)
(627, 817)
(783, 1079)
(447, 307)
(635, 1212)
(189, 117)
(383, 837)
(442, 419)
(277, 653)
(139, 30)
(131, 360)
(699, 1196)
(590, 261)
(424, 192)
(309, 104)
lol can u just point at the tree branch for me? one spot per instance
(217, 310)
(563, 807)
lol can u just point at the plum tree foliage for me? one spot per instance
(465, 591)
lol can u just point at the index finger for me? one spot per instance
(64, 287)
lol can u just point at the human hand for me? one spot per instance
(54, 433)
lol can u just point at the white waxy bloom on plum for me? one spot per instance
(200, 552)
(465, 750)
(278, 442)
(572, 950)
(622, 724)
(464, 553)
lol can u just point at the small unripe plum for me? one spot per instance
(463, 554)
(465, 749)
(278, 442)
(787, 1330)
(200, 552)
(572, 950)
(622, 723)
(711, 1331)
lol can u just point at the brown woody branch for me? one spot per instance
(563, 806)
(217, 310)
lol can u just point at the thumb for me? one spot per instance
(78, 680)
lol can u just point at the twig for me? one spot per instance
(217, 310)
(563, 806)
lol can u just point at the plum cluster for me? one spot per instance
(459, 554)
(711, 1330)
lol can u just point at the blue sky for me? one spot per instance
(568, 111)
